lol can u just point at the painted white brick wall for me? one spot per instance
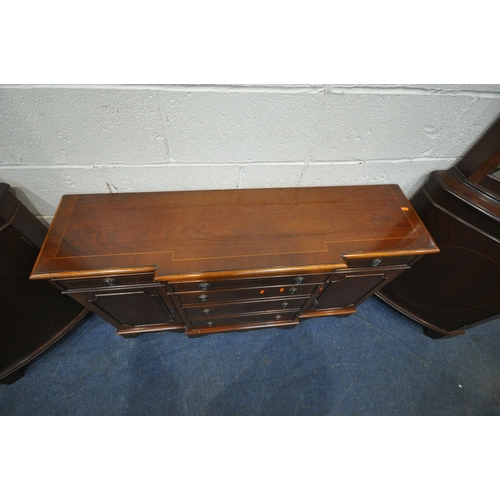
(57, 140)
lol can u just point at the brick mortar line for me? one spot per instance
(235, 164)
(305, 89)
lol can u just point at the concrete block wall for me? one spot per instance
(64, 139)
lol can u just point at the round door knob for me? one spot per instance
(299, 280)
(203, 298)
(204, 286)
(376, 262)
(110, 281)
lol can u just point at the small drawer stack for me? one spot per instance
(217, 304)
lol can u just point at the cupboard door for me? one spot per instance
(136, 307)
(350, 288)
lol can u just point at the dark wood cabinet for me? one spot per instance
(132, 307)
(459, 287)
(213, 261)
(348, 289)
(34, 314)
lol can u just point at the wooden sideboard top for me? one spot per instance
(192, 233)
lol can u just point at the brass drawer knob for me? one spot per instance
(206, 311)
(203, 298)
(285, 304)
(299, 280)
(278, 317)
(204, 286)
(376, 262)
(292, 290)
(210, 323)
(110, 281)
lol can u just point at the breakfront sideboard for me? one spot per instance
(214, 261)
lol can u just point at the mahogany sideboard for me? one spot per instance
(214, 261)
(34, 315)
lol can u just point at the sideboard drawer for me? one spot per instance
(202, 297)
(105, 281)
(295, 279)
(379, 261)
(283, 304)
(250, 319)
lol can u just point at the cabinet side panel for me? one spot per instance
(456, 288)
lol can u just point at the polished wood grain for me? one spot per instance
(234, 259)
(182, 234)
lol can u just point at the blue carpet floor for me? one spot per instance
(375, 362)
